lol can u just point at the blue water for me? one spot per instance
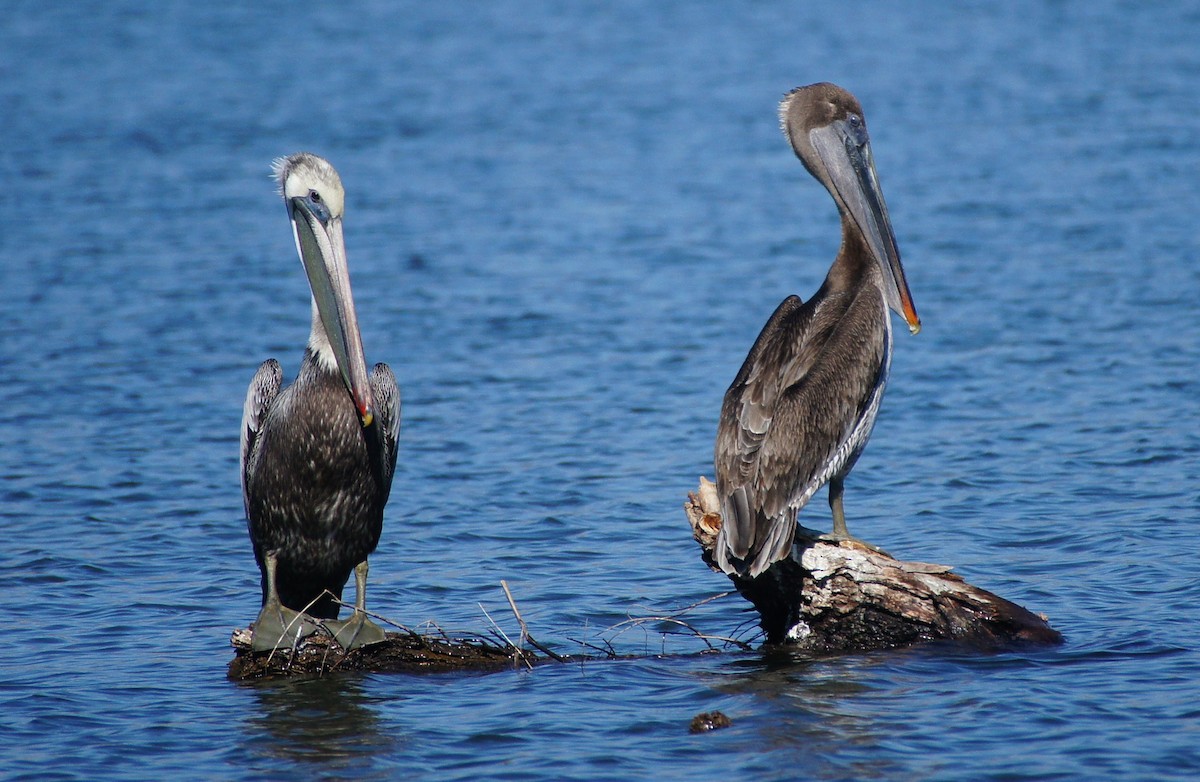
(566, 224)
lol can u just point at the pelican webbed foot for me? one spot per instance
(358, 630)
(834, 537)
(279, 627)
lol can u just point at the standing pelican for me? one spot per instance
(318, 456)
(801, 408)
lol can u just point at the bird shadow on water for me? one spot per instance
(322, 724)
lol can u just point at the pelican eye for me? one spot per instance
(314, 196)
(858, 130)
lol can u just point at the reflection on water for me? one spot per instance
(318, 726)
(813, 712)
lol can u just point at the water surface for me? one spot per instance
(566, 224)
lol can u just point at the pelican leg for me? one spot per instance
(277, 626)
(358, 630)
(840, 532)
(839, 516)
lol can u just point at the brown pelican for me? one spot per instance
(318, 456)
(801, 408)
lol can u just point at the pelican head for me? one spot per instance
(826, 128)
(312, 191)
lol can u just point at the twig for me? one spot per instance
(516, 613)
(672, 617)
(610, 653)
(708, 599)
(525, 634)
(374, 615)
(749, 624)
(518, 651)
(722, 638)
(639, 621)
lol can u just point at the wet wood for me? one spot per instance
(319, 655)
(401, 652)
(840, 597)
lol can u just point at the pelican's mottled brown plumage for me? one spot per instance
(801, 408)
(318, 456)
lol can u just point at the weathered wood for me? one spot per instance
(843, 596)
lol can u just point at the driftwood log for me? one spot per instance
(832, 597)
(828, 598)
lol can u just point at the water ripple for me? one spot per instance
(566, 227)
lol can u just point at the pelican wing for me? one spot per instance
(786, 423)
(386, 394)
(747, 418)
(749, 409)
(264, 388)
(824, 383)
